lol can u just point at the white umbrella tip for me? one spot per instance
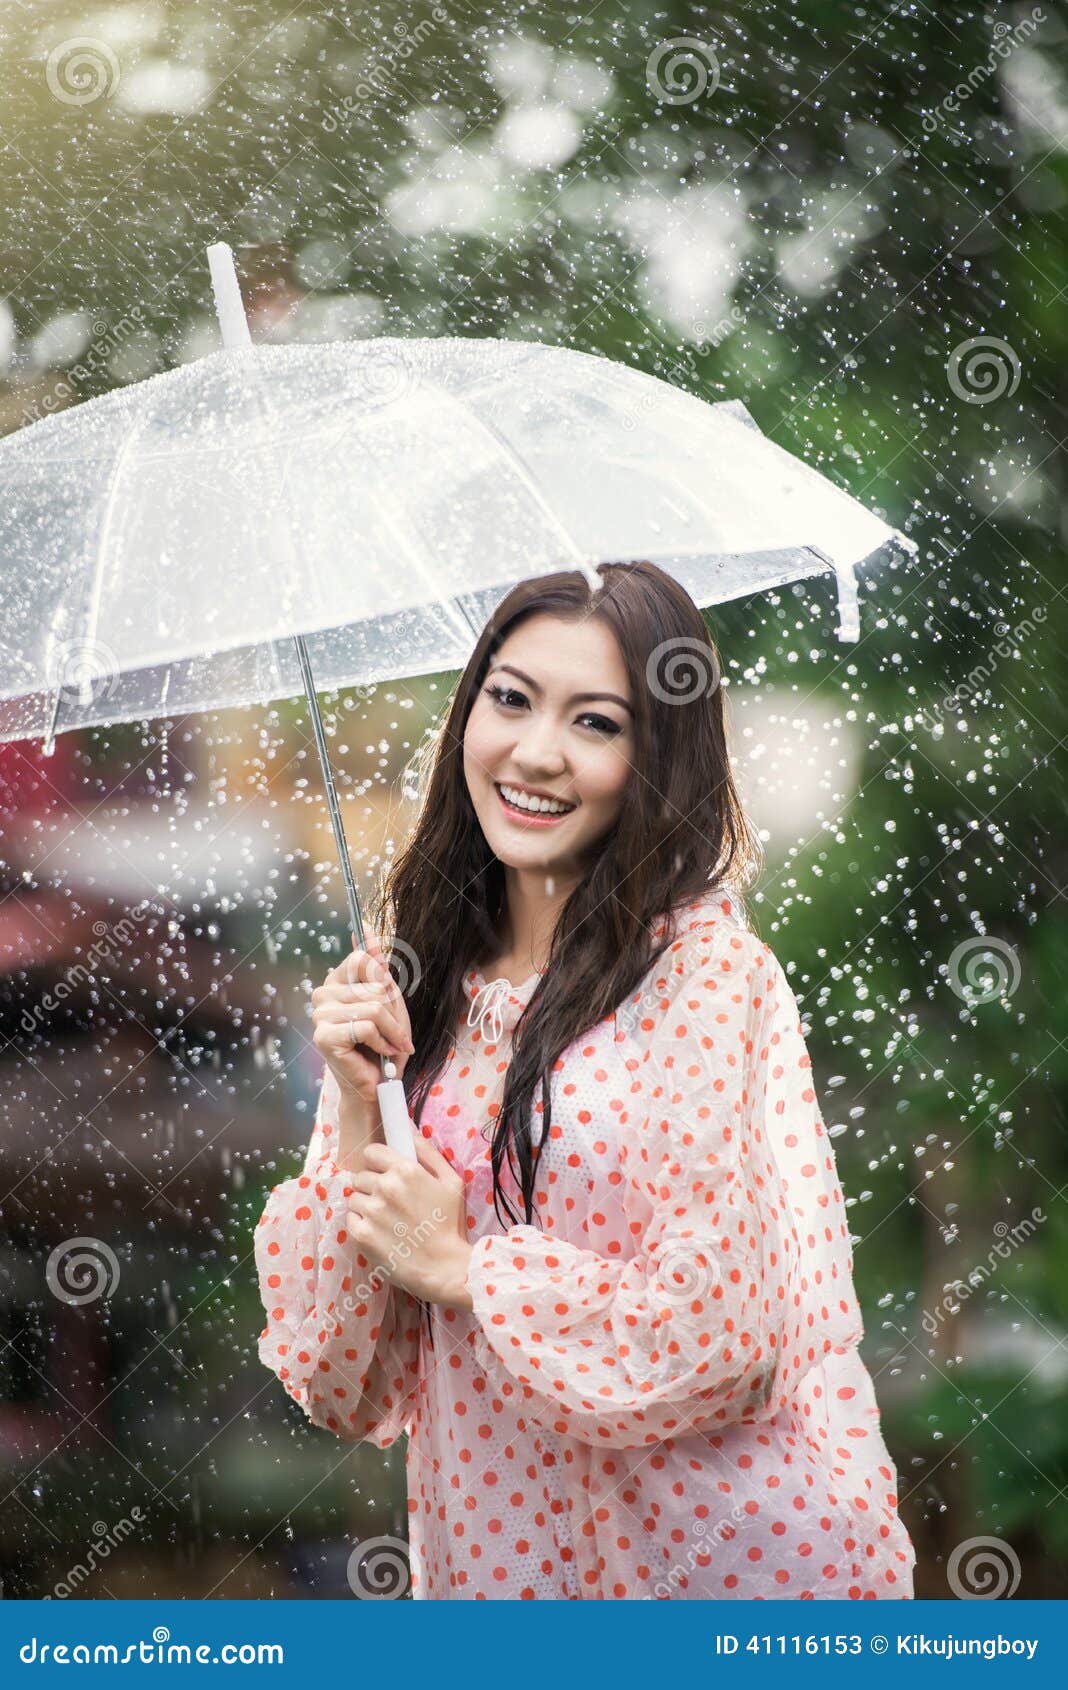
(229, 306)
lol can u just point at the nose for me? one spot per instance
(538, 754)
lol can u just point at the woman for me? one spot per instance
(638, 1376)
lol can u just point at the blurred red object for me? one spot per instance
(33, 784)
(41, 927)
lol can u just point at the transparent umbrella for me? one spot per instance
(273, 518)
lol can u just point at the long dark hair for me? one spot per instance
(681, 832)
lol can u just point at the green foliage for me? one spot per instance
(851, 233)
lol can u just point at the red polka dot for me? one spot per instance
(658, 1390)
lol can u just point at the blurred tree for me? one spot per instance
(851, 218)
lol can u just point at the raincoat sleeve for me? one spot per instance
(343, 1341)
(705, 1324)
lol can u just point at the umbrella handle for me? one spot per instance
(396, 1121)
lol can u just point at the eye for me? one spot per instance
(499, 694)
(505, 697)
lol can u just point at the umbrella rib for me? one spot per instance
(419, 552)
(93, 609)
(523, 472)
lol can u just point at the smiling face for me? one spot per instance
(553, 719)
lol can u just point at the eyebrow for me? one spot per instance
(576, 697)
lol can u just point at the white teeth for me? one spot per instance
(539, 806)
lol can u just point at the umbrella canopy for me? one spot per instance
(272, 518)
(161, 544)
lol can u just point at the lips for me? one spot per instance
(530, 818)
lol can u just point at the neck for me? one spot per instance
(533, 901)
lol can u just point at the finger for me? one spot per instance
(365, 1184)
(362, 965)
(335, 1025)
(345, 1008)
(338, 1012)
(367, 1205)
(432, 1158)
(347, 1033)
(374, 946)
(345, 991)
(352, 967)
(381, 1158)
(343, 997)
(358, 1230)
(378, 956)
(369, 992)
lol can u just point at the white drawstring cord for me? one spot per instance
(487, 1003)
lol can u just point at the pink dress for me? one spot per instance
(658, 1393)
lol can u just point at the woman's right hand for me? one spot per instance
(361, 996)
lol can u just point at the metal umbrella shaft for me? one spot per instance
(233, 324)
(392, 1101)
(355, 915)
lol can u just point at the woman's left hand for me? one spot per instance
(409, 1219)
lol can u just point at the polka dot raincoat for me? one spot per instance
(658, 1394)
